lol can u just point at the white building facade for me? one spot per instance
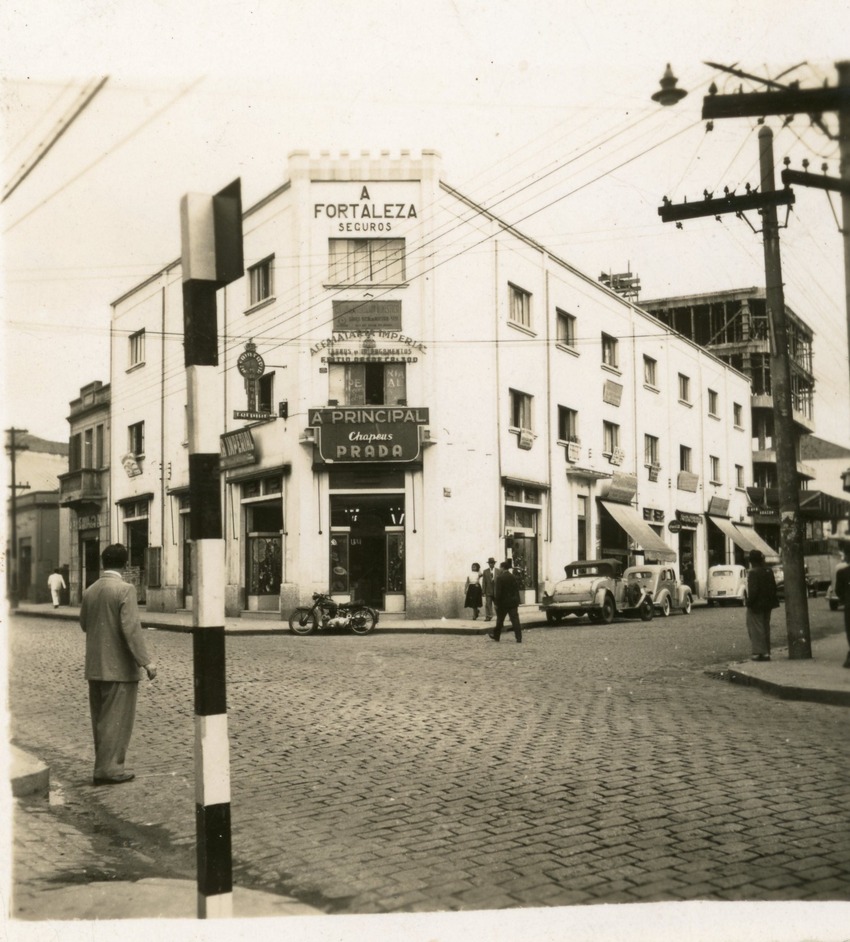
(410, 385)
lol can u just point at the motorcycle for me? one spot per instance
(325, 613)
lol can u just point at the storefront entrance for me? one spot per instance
(366, 559)
(89, 560)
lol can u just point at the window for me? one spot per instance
(566, 328)
(684, 458)
(260, 281)
(367, 261)
(715, 469)
(567, 424)
(610, 355)
(712, 403)
(88, 448)
(739, 476)
(98, 446)
(75, 452)
(367, 384)
(610, 438)
(650, 450)
(650, 371)
(265, 392)
(136, 439)
(521, 404)
(684, 388)
(520, 306)
(137, 348)
(738, 415)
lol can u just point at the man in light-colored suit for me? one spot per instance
(115, 655)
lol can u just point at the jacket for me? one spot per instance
(507, 590)
(488, 580)
(115, 645)
(761, 590)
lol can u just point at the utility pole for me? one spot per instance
(791, 529)
(791, 100)
(13, 447)
(211, 238)
(765, 201)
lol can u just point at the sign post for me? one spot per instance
(211, 229)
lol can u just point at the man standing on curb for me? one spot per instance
(506, 594)
(115, 653)
(488, 583)
(761, 600)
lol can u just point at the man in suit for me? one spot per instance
(488, 583)
(115, 655)
(506, 594)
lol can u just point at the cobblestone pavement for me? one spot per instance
(592, 764)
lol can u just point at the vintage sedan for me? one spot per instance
(831, 595)
(596, 588)
(726, 583)
(661, 584)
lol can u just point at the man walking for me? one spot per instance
(506, 594)
(56, 584)
(488, 582)
(115, 653)
(762, 598)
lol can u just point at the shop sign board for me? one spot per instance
(367, 315)
(674, 526)
(355, 434)
(237, 449)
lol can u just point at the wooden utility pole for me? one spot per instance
(765, 199)
(13, 447)
(791, 529)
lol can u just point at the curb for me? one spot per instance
(788, 691)
(28, 775)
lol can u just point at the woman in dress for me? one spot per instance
(473, 591)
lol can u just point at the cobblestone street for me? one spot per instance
(592, 764)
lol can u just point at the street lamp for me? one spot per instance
(669, 94)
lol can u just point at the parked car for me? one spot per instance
(779, 576)
(663, 587)
(726, 584)
(831, 596)
(597, 588)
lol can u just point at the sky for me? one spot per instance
(541, 110)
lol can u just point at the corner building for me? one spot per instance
(410, 385)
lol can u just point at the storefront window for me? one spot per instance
(395, 562)
(338, 579)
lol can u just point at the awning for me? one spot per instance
(756, 542)
(734, 534)
(640, 532)
(745, 537)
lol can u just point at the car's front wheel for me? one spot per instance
(606, 615)
(665, 606)
(686, 607)
(647, 609)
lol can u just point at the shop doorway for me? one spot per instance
(613, 539)
(367, 549)
(89, 561)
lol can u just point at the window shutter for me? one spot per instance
(153, 564)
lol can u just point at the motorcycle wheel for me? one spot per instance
(363, 620)
(303, 621)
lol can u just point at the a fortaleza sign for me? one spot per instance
(368, 433)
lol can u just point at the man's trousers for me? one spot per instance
(113, 711)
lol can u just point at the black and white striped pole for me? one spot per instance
(211, 231)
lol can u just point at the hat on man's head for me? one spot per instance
(491, 560)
